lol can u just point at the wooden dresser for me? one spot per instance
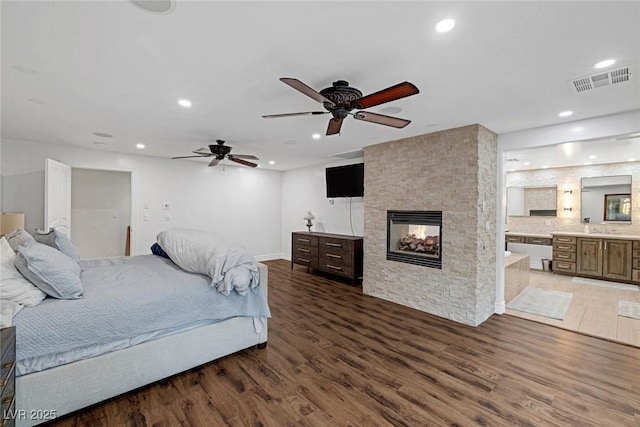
(332, 253)
(7, 375)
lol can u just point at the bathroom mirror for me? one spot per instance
(532, 201)
(606, 199)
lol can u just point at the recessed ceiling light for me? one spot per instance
(185, 103)
(316, 136)
(140, 146)
(545, 167)
(604, 64)
(445, 25)
(154, 6)
(565, 113)
(37, 101)
(587, 163)
(103, 135)
(632, 159)
(527, 163)
(24, 69)
(99, 142)
(289, 141)
(592, 157)
(271, 162)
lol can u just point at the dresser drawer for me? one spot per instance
(514, 239)
(7, 338)
(335, 245)
(564, 239)
(636, 263)
(8, 408)
(335, 268)
(636, 253)
(636, 244)
(635, 275)
(564, 247)
(303, 239)
(537, 241)
(569, 267)
(305, 251)
(564, 256)
(338, 258)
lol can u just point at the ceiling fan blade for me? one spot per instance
(381, 119)
(401, 90)
(214, 161)
(242, 156)
(334, 126)
(203, 151)
(186, 157)
(242, 162)
(299, 86)
(306, 113)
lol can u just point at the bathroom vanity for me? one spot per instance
(537, 246)
(604, 256)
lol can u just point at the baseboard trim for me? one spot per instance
(269, 257)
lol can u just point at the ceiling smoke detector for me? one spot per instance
(606, 78)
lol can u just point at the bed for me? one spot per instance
(139, 319)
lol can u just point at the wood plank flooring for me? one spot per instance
(337, 357)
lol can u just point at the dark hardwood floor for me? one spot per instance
(337, 357)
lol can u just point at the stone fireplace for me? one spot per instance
(414, 237)
(452, 172)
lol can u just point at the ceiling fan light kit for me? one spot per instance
(341, 99)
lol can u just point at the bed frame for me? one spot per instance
(42, 396)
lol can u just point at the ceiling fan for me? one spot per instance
(221, 151)
(340, 99)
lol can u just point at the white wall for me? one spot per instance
(243, 205)
(100, 212)
(304, 190)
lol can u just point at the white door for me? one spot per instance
(57, 196)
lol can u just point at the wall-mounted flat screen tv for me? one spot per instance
(345, 181)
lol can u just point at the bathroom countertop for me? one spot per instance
(597, 235)
(515, 233)
(513, 258)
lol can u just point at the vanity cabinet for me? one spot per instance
(564, 254)
(635, 270)
(598, 257)
(607, 258)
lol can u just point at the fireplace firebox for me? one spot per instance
(415, 237)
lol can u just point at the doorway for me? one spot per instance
(100, 212)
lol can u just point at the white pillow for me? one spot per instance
(5, 250)
(8, 309)
(200, 252)
(13, 286)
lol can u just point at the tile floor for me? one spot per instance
(593, 310)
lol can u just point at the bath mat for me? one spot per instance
(542, 302)
(605, 284)
(629, 309)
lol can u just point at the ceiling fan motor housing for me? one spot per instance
(343, 96)
(220, 150)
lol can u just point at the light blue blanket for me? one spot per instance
(126, 301)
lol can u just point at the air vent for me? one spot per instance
(608, 78)
(513, 160)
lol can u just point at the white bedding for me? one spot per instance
(200, 252)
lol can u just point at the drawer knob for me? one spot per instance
(335, 245)
(304, 250)
(334, 256)
(304, 240)
(303, 260)
(334, 267)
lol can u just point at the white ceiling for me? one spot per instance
(107, 66)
